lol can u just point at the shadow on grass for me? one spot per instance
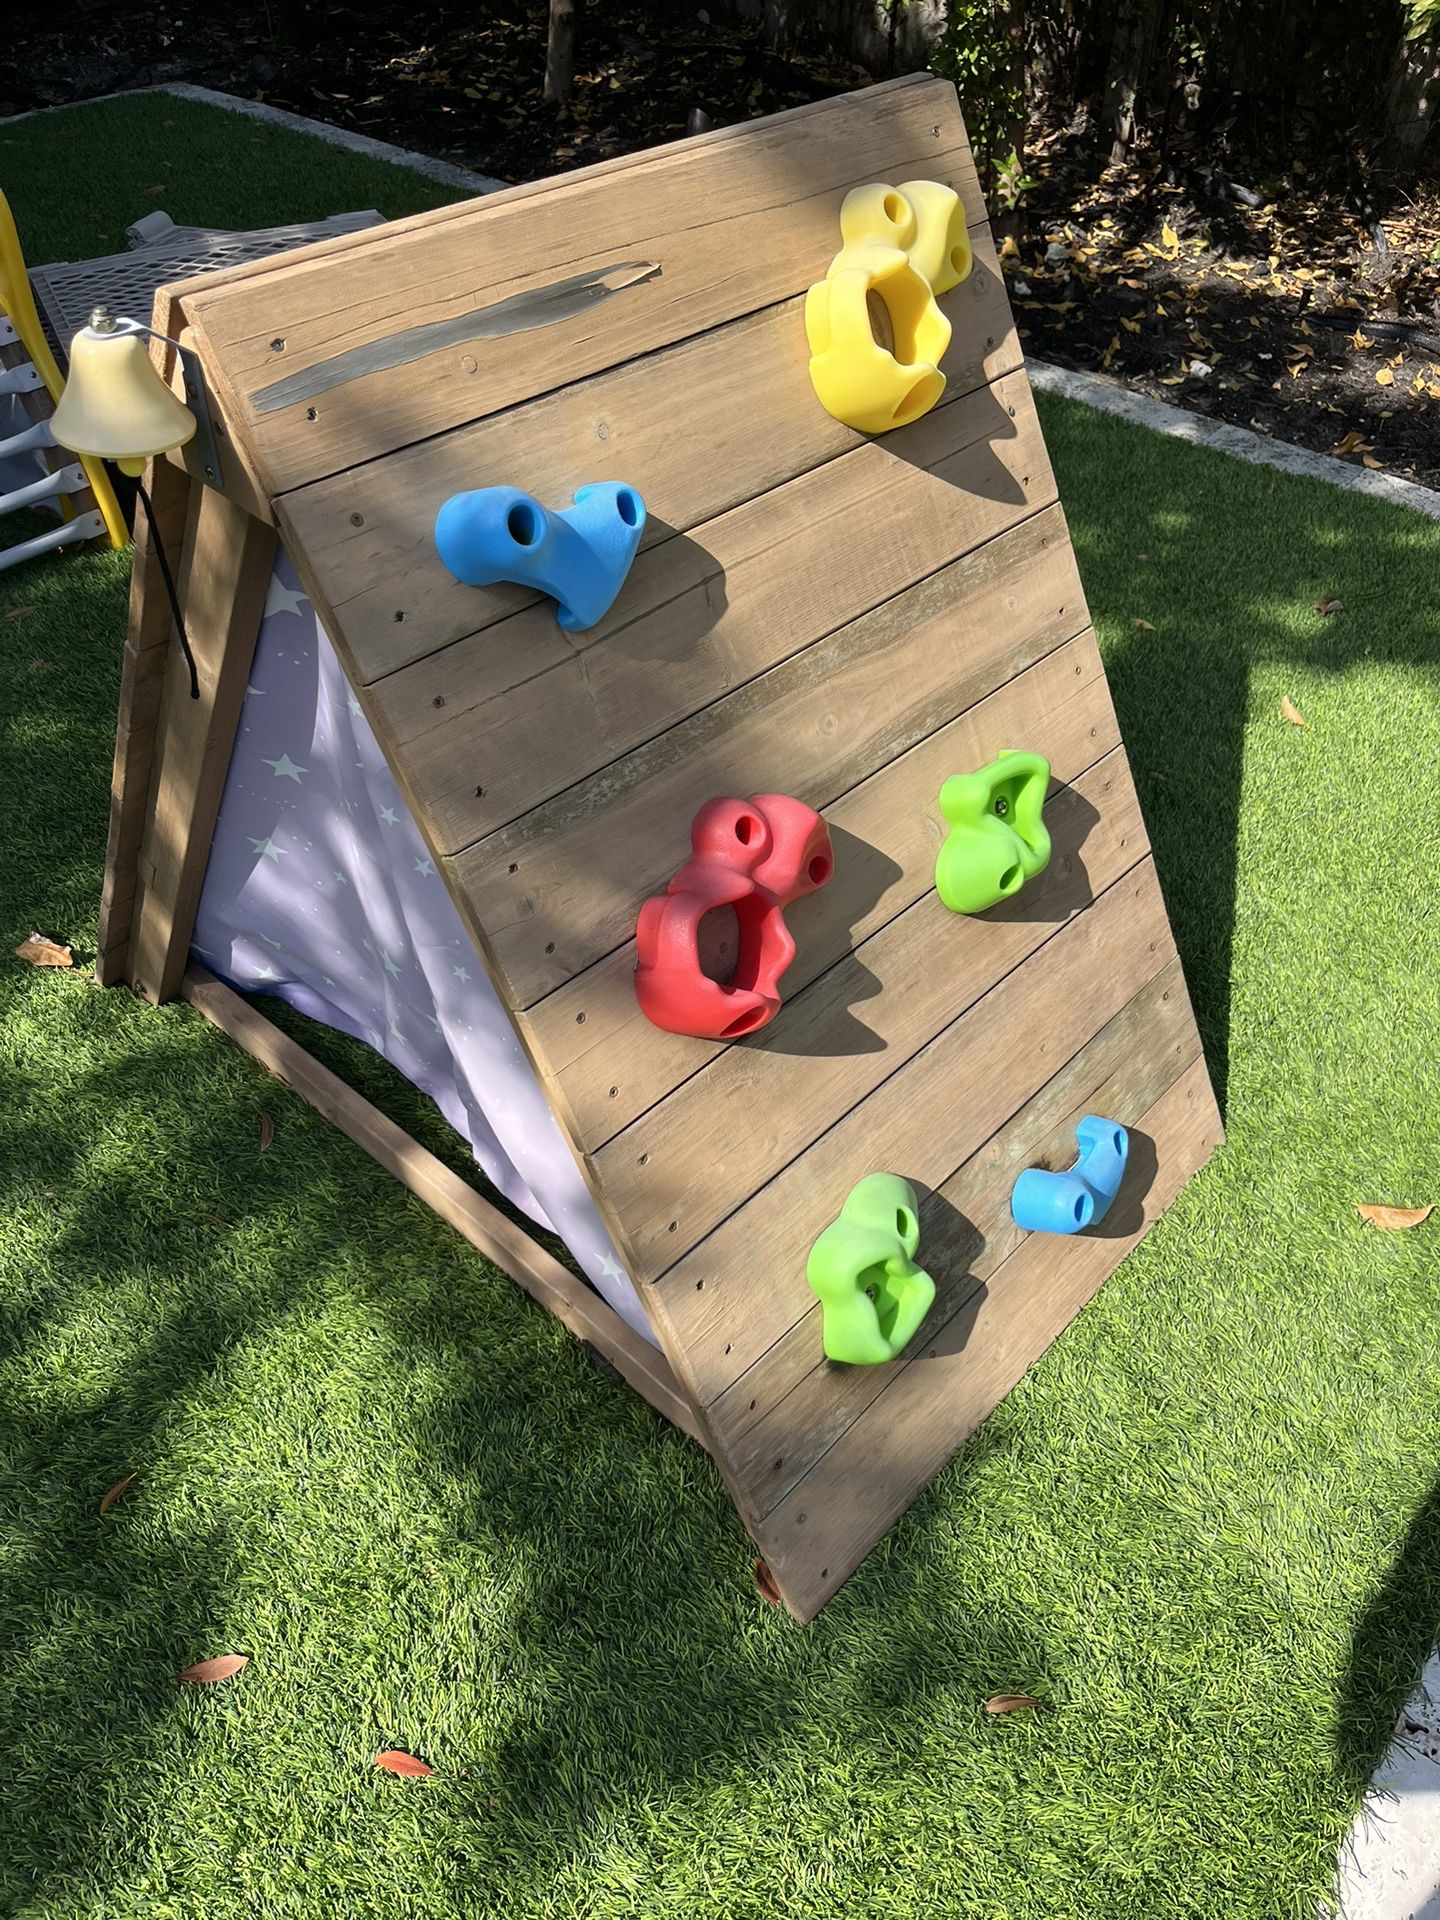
(1395, 1636)
(634, 1565)
(1181, 685)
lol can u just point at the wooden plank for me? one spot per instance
(491, 1232)
(562, 886)
(787, 1410)
(369, 533)
(235, 475)
(689, 1161)
(827, 1524)
(733, 226)
(743, 1287)
(495, 725)
(148, 628)
(224, 576)
(608, 1067)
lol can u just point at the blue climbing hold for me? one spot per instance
(579, 556)
(1045, 1202)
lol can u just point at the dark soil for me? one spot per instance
(462, 83)
(1300, 318)
(1308, 317)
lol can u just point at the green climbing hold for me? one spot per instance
(872, 1295)
(997, 839)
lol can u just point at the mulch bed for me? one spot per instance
(1297, 317)
(1288, 318)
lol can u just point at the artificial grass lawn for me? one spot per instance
(1205, 1528)
(75, 180)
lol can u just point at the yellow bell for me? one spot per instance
(115, 405)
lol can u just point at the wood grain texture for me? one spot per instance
(498, 723)
(827, 1524)
(788, 1409)
(743, 1287)
(142, 672)
(224, 576)
(610, 1066)
(735, 225)
(369, 532)
(696, 1156)
(531, 1265)
(563, 884)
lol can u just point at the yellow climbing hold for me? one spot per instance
(876, 331)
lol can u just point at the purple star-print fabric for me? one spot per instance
(321, 890)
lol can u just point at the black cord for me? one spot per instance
(174, 597)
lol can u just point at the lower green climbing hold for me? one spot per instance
(997, 839)
(872, 1295)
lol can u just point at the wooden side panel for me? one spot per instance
(830, 1520)
(224, 576)
(142, 673)
(733, 225)
(369, 532)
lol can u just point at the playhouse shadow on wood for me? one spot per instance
(437, 814)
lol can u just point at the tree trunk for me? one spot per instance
(1414, 96)
(560, 51)
(1129, 51)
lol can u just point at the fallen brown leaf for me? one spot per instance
(1329, 606)
(1353, 442)
(1008, 249)
(41, 952)
(19, 613)
(218, 1218)
(109, 1499)
(267, 1132)
(1394, 1219)
(393, 1761)
(1291, 712)
(765, 1584)
(209, 1673)
(1010, 1703)
(1384, 376)
(1369, 460)
(1148, 625)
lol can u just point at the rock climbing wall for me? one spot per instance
(842, 620)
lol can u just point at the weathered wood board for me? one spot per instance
(811, 612)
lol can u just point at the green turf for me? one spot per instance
(76, 180)
(1205, 1528)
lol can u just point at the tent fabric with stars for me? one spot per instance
(320, 889)
(427, 815)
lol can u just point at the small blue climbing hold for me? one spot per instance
(579, 555)
(1045, 1202)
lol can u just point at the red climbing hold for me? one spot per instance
(754, 856)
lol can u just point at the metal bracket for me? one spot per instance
(198, 401)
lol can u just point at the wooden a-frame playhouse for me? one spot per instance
(845, 620)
